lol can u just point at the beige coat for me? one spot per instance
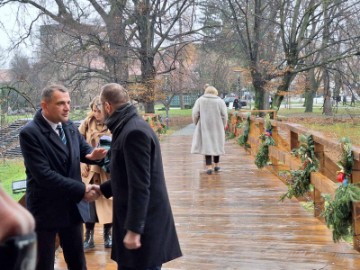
(92, 133)
(210, 117)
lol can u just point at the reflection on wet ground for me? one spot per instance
(234, 219)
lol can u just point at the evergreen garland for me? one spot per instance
(262, 156)
(299, 182)
(230, 133)
(346, 161)
(338, 212)
(242, 140)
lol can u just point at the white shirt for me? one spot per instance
(53, 125)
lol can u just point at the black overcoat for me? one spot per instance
(140, 198)
(54, 185)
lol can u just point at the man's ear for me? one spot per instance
(107, 107)
(43, 105)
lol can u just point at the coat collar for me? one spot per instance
(53, 137)
(210, 96)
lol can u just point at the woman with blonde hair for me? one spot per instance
(210, 117)
(93, 128)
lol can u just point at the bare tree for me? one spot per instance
(117, 31)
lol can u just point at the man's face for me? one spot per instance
(58, 108)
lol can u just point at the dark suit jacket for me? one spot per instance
(54, 185)
(140, 199)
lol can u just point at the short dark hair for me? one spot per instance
(115, 94)
(47, 92)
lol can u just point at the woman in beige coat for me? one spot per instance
(210, 117)
(93, 128)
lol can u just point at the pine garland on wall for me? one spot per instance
(262, 156)
(338, 211)
(242, 140)
(299, 182)
(230, 132)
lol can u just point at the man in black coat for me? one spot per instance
(56, 195)
(144, 234)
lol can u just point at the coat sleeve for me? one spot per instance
(224, 113)
(106, 189)
(196, 112)
(137, 152)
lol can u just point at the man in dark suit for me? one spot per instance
(52, 149)
(144, 234)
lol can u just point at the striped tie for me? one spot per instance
(61, 133)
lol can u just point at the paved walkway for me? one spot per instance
(234, 219)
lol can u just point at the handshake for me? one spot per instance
(92, 193)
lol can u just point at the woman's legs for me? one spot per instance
(216, 163)
(208, 162)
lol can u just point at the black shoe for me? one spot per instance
(89, 240)
(209, 171)
(216, 169)
(107, 237)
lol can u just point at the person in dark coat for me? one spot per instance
(237, 104)
(144, 234)
(56, 195)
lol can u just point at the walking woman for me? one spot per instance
(93, 128)
(210, 117)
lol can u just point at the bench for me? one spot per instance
(18, 186)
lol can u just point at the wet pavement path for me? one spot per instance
(233, 219)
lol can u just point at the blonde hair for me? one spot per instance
(211, 90)
(95, 102)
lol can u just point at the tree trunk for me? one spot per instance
(327, 108)
(258, 83)
(259, 99)
(149, 107)
(309, 100)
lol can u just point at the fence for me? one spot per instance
(286, 137)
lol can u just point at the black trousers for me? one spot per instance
(209, 158)
(71, 242)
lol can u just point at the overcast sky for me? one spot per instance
(10, 32)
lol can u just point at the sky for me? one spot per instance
(9, 31)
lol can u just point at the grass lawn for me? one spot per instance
(344, 122)
(338, 130)
(11, 170)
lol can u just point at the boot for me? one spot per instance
(89, 240)
(107, 237)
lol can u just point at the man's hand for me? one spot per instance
(15, 220)
(97, 154)
(97, 189)
(91, 194)
(84, 170)
(132, 240)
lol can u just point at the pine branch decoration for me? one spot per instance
(338, 212)
(262, 156)
(245, 136)
(299, 180)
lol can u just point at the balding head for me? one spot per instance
(114, 94)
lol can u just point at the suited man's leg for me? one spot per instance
(46, 250)
(71, 240)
